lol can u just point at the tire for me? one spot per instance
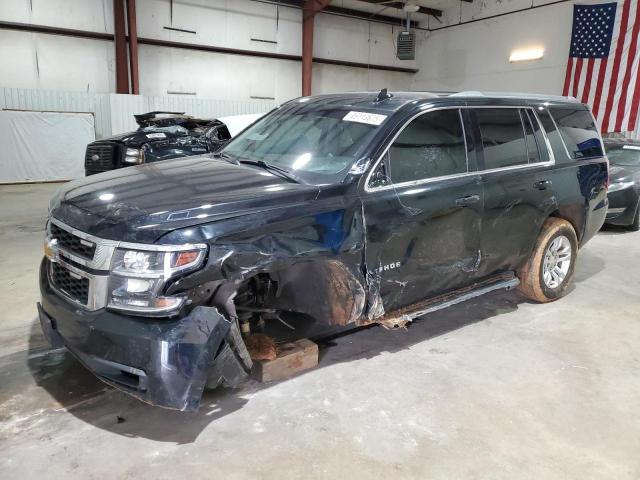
(548, 284)
(635, 226)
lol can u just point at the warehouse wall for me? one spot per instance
(61, 63)
(475, 56)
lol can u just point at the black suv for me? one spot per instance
(331, 211)
(624, 189)
(161, 136)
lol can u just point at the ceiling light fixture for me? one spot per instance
(526, 55)
(410, 7)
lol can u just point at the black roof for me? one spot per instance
(370, 100)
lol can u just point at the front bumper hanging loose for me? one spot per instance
(163, 362)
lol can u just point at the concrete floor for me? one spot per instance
(494, 388)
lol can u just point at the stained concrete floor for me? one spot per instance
(497, 388)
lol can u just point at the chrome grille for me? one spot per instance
(72, 243)
(69, 283)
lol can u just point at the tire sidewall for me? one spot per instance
(635, 225)
(554, 293)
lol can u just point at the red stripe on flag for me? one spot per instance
(567, 78)
(613, 85)
(599, 84)
(576, 76)
(587, 82)
(622, 103)
(633, 117)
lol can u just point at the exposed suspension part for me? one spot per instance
(250, 300)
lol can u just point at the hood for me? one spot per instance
(140, 137)
(142, 203)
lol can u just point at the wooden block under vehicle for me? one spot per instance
(293, 357)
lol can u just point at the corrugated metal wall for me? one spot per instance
(114, 113)
(53, 101)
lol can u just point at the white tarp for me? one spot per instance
(43, 146)
(237, 123)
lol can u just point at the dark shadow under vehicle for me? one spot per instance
(340, 210)
(161, 136)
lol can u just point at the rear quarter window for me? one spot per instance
(578, 131)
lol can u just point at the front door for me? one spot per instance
(423, 208)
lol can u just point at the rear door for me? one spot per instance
(517, 182)
(423, 212)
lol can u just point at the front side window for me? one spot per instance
(431, 146)
(503, 137)
(578, 131)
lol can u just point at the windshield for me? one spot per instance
(628, 155)
(317, 145)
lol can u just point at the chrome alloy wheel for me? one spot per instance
(557, 261)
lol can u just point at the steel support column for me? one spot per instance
(122, 70)
(309, 10)
(133, 45)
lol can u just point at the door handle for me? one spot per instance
(542, 184)
(468, 200)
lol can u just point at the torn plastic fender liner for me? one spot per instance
(163, 362)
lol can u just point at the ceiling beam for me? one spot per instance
(350, 12)
(424, 10)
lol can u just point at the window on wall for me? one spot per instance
(503, 139)
(578, 131)
(431, 146)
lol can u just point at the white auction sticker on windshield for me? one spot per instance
(364, 117)
(156, 135)
(631, 147)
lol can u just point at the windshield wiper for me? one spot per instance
(282, 172)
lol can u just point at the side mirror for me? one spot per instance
(379, 177)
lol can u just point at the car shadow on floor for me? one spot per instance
(615, 230)
(84, 396)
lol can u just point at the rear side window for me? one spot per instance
(553, 135)
(578, 131)
(543, 152)
(431, 146)
(532, 145)
(503, 139)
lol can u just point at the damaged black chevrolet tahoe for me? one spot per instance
(332, 211)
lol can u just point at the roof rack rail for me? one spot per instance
(530, 96)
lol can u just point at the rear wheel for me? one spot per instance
(548, 272)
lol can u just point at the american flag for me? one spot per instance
(603, 62)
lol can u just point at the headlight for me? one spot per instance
(134, 155)
(138, 278)
(619, 186)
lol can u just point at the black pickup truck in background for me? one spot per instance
(161, 136)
